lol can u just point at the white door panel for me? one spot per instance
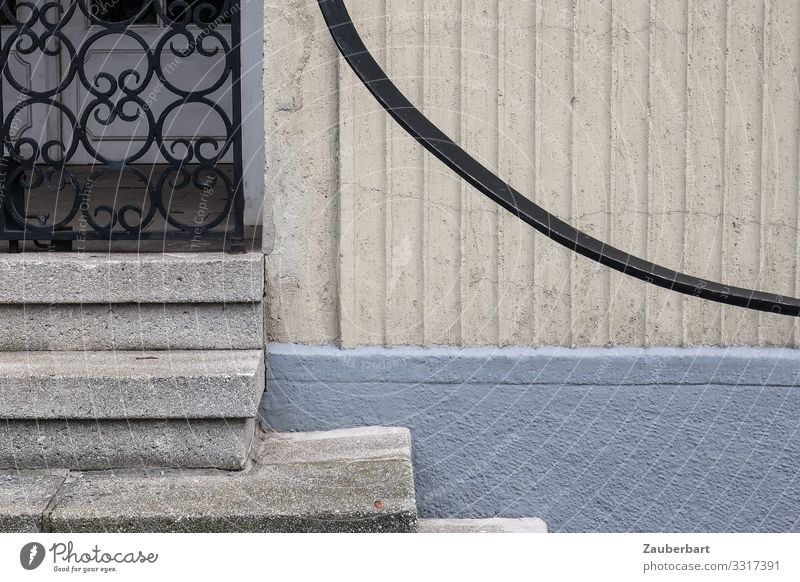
(131, 132)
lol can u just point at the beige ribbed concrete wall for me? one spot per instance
(670, 129)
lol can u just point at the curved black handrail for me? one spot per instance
(435, 141)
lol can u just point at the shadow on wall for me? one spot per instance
(599, 439)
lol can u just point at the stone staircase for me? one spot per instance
(129, 391)
(129, 360)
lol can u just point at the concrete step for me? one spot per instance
(131, 385)
(358, 480)
(104, 410)
(24, 498)
(129, 278)
(92, 445)
(198, 326)
(128, 301)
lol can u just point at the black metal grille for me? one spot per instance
(97, 148)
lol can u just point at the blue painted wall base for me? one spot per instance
(600, 439)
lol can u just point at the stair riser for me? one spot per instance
(232, 326)
(394, 523)
(94, 446)
(55, 278)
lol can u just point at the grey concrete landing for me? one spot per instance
(357, 480)
(491, 525)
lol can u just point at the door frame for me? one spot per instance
(252, 101)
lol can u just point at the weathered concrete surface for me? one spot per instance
(353, 444)
(490, 525)
(24, 499)
(658, 147)
(698, 439)
(197, 326)
(128, 385)
(111, 444)
(56, 278)
(330, 490)
(301, 208)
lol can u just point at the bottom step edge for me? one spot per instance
(360, 481)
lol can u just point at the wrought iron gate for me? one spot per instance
(62, 181)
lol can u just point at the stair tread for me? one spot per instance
(124, 363)
(338, 489)
(131, 384)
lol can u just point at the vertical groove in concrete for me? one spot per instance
(591, 144)
(573, 174)
(404, 282)
(345, 189)
(500, 151)
(761, 194)
(498, 137)
(442, 210)
(463, 190)
(363, 216)
(552, 292)
(388, 181)
(518, 66)
(479, 54)
(665, 217)
(608, 170)
(795, 250)
(684, 155)
(418, 156)
(705, 160)
(781, 115)
(723, 270)
(628, 208)
(425, 171)
(743, 136)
